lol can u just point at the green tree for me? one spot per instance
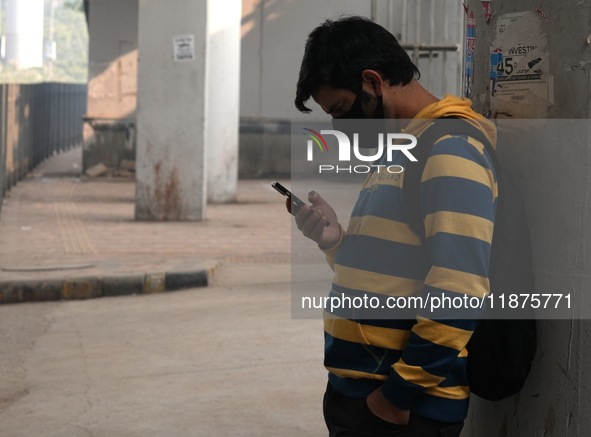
(76, 5)
(71, 37)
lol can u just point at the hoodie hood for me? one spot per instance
(452, 106)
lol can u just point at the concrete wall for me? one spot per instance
(112, 53)
(109, 127)
(554, 178)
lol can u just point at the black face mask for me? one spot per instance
(367, 129)
(356, 111)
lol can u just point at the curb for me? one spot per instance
(40, 290)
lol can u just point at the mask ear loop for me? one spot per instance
(379, 112)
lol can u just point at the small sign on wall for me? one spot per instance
(184, 48)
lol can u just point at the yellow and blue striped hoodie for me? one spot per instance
(420, 364)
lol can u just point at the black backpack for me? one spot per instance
(500, 351)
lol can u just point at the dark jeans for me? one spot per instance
(351, 417)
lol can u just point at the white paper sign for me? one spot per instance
(184, 48)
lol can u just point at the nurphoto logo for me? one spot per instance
(345, 150)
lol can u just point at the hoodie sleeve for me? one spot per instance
(458, 200)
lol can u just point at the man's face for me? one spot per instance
(337, 101)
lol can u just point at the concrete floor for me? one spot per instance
(221, 361)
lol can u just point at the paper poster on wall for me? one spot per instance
(469, 58)
(521, 83)
(488, 13)
(184, 48)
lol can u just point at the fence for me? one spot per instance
(36, 121)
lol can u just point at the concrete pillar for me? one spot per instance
(171, 114)
(554, 179)
(24, 33)
(223, 98)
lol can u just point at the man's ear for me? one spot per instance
(373, 82)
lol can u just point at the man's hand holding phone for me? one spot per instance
(313, 224)
(318, 223)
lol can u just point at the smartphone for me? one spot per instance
(296, 201)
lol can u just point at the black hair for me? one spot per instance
(338, 51)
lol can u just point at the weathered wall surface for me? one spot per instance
(553, 175)
(567, 27)
(112, 52)
(109, 126)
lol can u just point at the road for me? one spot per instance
(220, 361)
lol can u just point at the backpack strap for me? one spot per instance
(413, 171)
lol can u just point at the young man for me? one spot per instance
(398, 377)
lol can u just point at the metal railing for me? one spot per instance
(37, 121)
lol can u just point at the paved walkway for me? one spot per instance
(56, 227)
(223, 360)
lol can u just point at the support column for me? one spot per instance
(171, 115)
(223, 99)
(24, 33)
